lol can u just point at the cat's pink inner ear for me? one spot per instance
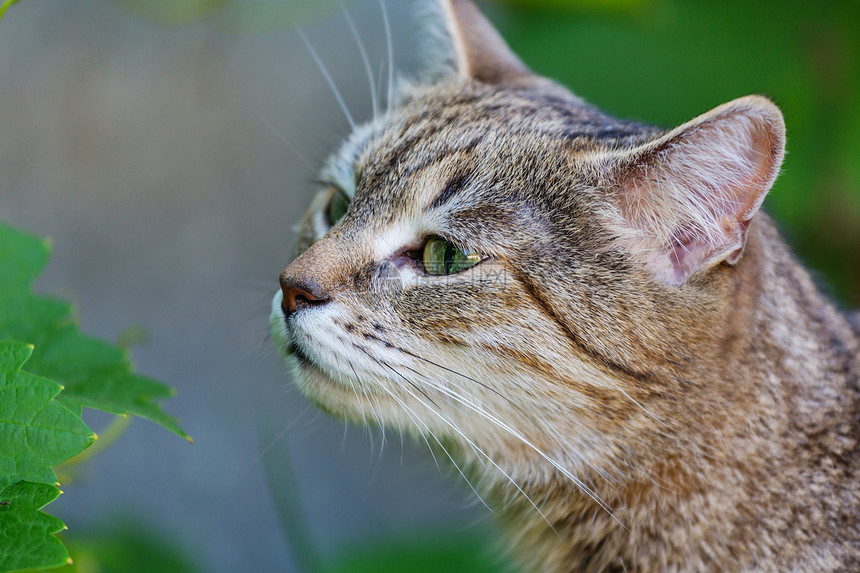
(686, 199)
(481, 52)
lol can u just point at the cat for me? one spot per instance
(590, 317)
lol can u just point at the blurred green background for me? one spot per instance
(145, 137)
(667, 61)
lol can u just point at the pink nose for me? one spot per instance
(300, 294)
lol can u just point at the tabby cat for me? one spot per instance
(589, 316)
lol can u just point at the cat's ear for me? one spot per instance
(682, 202)
(481, 52)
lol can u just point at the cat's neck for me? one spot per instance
(795, 343)
(782, 376)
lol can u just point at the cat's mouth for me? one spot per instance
(298, 352)
(282, 332)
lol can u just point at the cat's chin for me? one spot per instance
(326, 394)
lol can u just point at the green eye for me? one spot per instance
(442, 258)
(337, 206)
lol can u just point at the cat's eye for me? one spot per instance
(441, 257)
(337, 206)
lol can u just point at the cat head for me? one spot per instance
(497, 263)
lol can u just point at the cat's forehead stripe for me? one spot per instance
(408, 160)
(454, 186)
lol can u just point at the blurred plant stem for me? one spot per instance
(6, 5)
(111, 434)
(285, 490)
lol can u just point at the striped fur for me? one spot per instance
(639, 376)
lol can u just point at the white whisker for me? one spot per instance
(358, 400)
(328, 78)
(286, 142)
(459, 432)
(390, 44)
(365, 59)
(480, 411)
(444, 449)
(416, 420)
(373, 411)
(271, 444)
(641, 406)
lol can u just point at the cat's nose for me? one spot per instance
(300, 294)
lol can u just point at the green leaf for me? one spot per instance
(27, 536)
(36, 431)
(94, 374)
(40, 426)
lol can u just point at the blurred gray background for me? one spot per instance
(153, 156)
